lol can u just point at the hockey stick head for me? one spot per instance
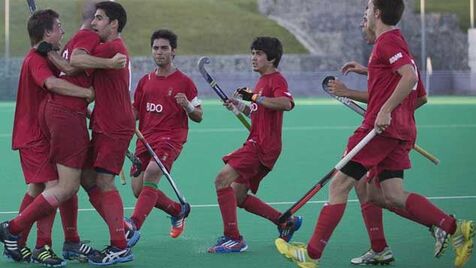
(201, 65)
(326, 81)
(31, 6)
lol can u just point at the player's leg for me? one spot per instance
(379, 252)
(253, 204)
(231, 241)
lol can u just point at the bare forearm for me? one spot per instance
(196, 115)
(62, 64)
(403, 89)
(278, 103)
(85, 61)
(357, 95)
(63, 87)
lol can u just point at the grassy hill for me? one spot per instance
(203, 26)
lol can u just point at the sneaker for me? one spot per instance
(10, 241)
(111, 255)
(296, 252)
(373, 258)
(25, 255)
(287, 229)
(46, 257)
(77, 251)
(441, 240)
(228, 245)
(131, 232)
(462, 241)
(178, 222)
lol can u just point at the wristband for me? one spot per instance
(189, 108)
(260, 99)
(241, 106)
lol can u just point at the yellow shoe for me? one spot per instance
(462, 241)
(297, 253)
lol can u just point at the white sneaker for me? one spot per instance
(372, 258)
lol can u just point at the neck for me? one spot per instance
(268, 70)
(112, 37)
(165, 70)
(383, 28)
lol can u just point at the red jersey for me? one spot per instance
(266, 124)
(160, 117)
(112, 110)
(86, 40)
(389, 53)
(31, 92)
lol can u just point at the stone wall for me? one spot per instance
(331, 29)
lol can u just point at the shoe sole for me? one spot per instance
(73, 256)
(384, 262)
(121, 260)
(63, 264)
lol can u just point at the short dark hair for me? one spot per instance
(391, 10)
(40, 21)
(269, 45)
(114, 11)
(164, 34)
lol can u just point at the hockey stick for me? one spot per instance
(358, 109)
(213, 84)
(318, 186)
(180, 197)
(31, 6)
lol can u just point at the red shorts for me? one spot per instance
(166, 153)
(107, 152)
(35, 164)
(381, 152)
(246, 162)
(68, 135)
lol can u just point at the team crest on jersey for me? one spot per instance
(170, 91)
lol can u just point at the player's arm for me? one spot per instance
(354, 67)
(273, 103)
(62, 64)
(338, 88)
(194, 112)
(63, 87)
(81, 59)
(407, 82)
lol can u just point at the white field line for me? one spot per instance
(461, 197)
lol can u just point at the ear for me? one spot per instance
(174, 51)
(115, 24)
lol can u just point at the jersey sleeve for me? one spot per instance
(393, 53)
(40, 70)
(192, 93)
(280, 88)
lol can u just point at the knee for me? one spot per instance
(393, 200)
(221, 180)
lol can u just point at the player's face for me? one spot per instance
(102, 24)
(368, 35)
(55, 35)
(370, 15)
(162, 52)
(259, 61)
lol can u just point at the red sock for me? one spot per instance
(39, 208)
(373, 218)
(43, 231)
(114, 215)
(145, 203)
(27, 199)
(405, 214)
(227, 203)
(327, 222)
(425, 211)
(69, 219)
(166, 204)
(256, 206)
(94, 194)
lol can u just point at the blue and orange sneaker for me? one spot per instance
(228, 245)
(287, 229)
(178, 222)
